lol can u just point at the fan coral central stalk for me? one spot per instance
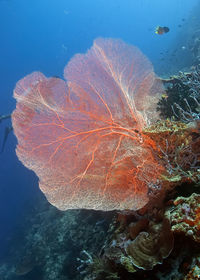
(83, 136)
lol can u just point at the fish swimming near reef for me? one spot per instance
(161, 30)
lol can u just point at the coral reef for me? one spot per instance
(51, 243)
(127, 244)
(142, 240)
(194, 273)
(185, 216)
(122, 159)
(179, 145)
(182, 98)
(136, 245)
(150, 248)
(78, 244)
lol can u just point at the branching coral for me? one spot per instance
(182, 99)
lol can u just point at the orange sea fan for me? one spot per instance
(83, 138)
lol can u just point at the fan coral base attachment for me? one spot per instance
(83, 136)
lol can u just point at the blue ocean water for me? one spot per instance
(43, 35)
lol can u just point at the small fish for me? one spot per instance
(161, 30)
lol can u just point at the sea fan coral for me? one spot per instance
(83, 138)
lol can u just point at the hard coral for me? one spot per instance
(150, 248)
(194, 273)
(185, 216)
(149, 245)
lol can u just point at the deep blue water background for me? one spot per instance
(43, 35)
